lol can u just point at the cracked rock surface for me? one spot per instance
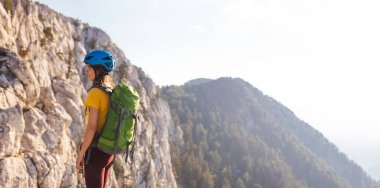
(42, 91)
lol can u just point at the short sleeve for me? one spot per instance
(93, 98)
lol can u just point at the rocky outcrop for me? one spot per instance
(42, 91)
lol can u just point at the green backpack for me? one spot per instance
(119, 129)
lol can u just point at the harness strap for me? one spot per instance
(94, 143)
(88, 156)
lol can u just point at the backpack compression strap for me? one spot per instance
(131, 153)
(124, 116)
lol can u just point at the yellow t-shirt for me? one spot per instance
(98, 99)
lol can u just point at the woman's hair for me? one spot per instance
(102, 77)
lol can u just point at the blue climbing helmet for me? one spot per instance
(100, 57)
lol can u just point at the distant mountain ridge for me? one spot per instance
(235, 136)
(375, 171)
(198, 81)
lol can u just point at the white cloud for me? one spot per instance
(156, 3)
(236, 16)
(196, 28)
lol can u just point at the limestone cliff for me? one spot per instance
(42, 91)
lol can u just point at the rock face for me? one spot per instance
(42, 91)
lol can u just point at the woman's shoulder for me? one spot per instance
(97, 92)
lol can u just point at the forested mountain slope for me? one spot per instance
(234, 136)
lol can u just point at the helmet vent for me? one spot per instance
(88, 58)
(107, 58)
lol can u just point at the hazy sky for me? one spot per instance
(320, 58)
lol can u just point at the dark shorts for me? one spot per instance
(98, 168)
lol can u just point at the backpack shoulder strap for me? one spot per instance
(95, 140)
(105, 89)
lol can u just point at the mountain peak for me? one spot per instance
(198, 81)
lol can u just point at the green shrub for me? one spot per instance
(23, 53)
(40, 17)
(43, 42)
(48, 33)
(8, 5)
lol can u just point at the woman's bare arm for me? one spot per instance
(88, 135)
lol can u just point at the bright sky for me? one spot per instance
(320, 58)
